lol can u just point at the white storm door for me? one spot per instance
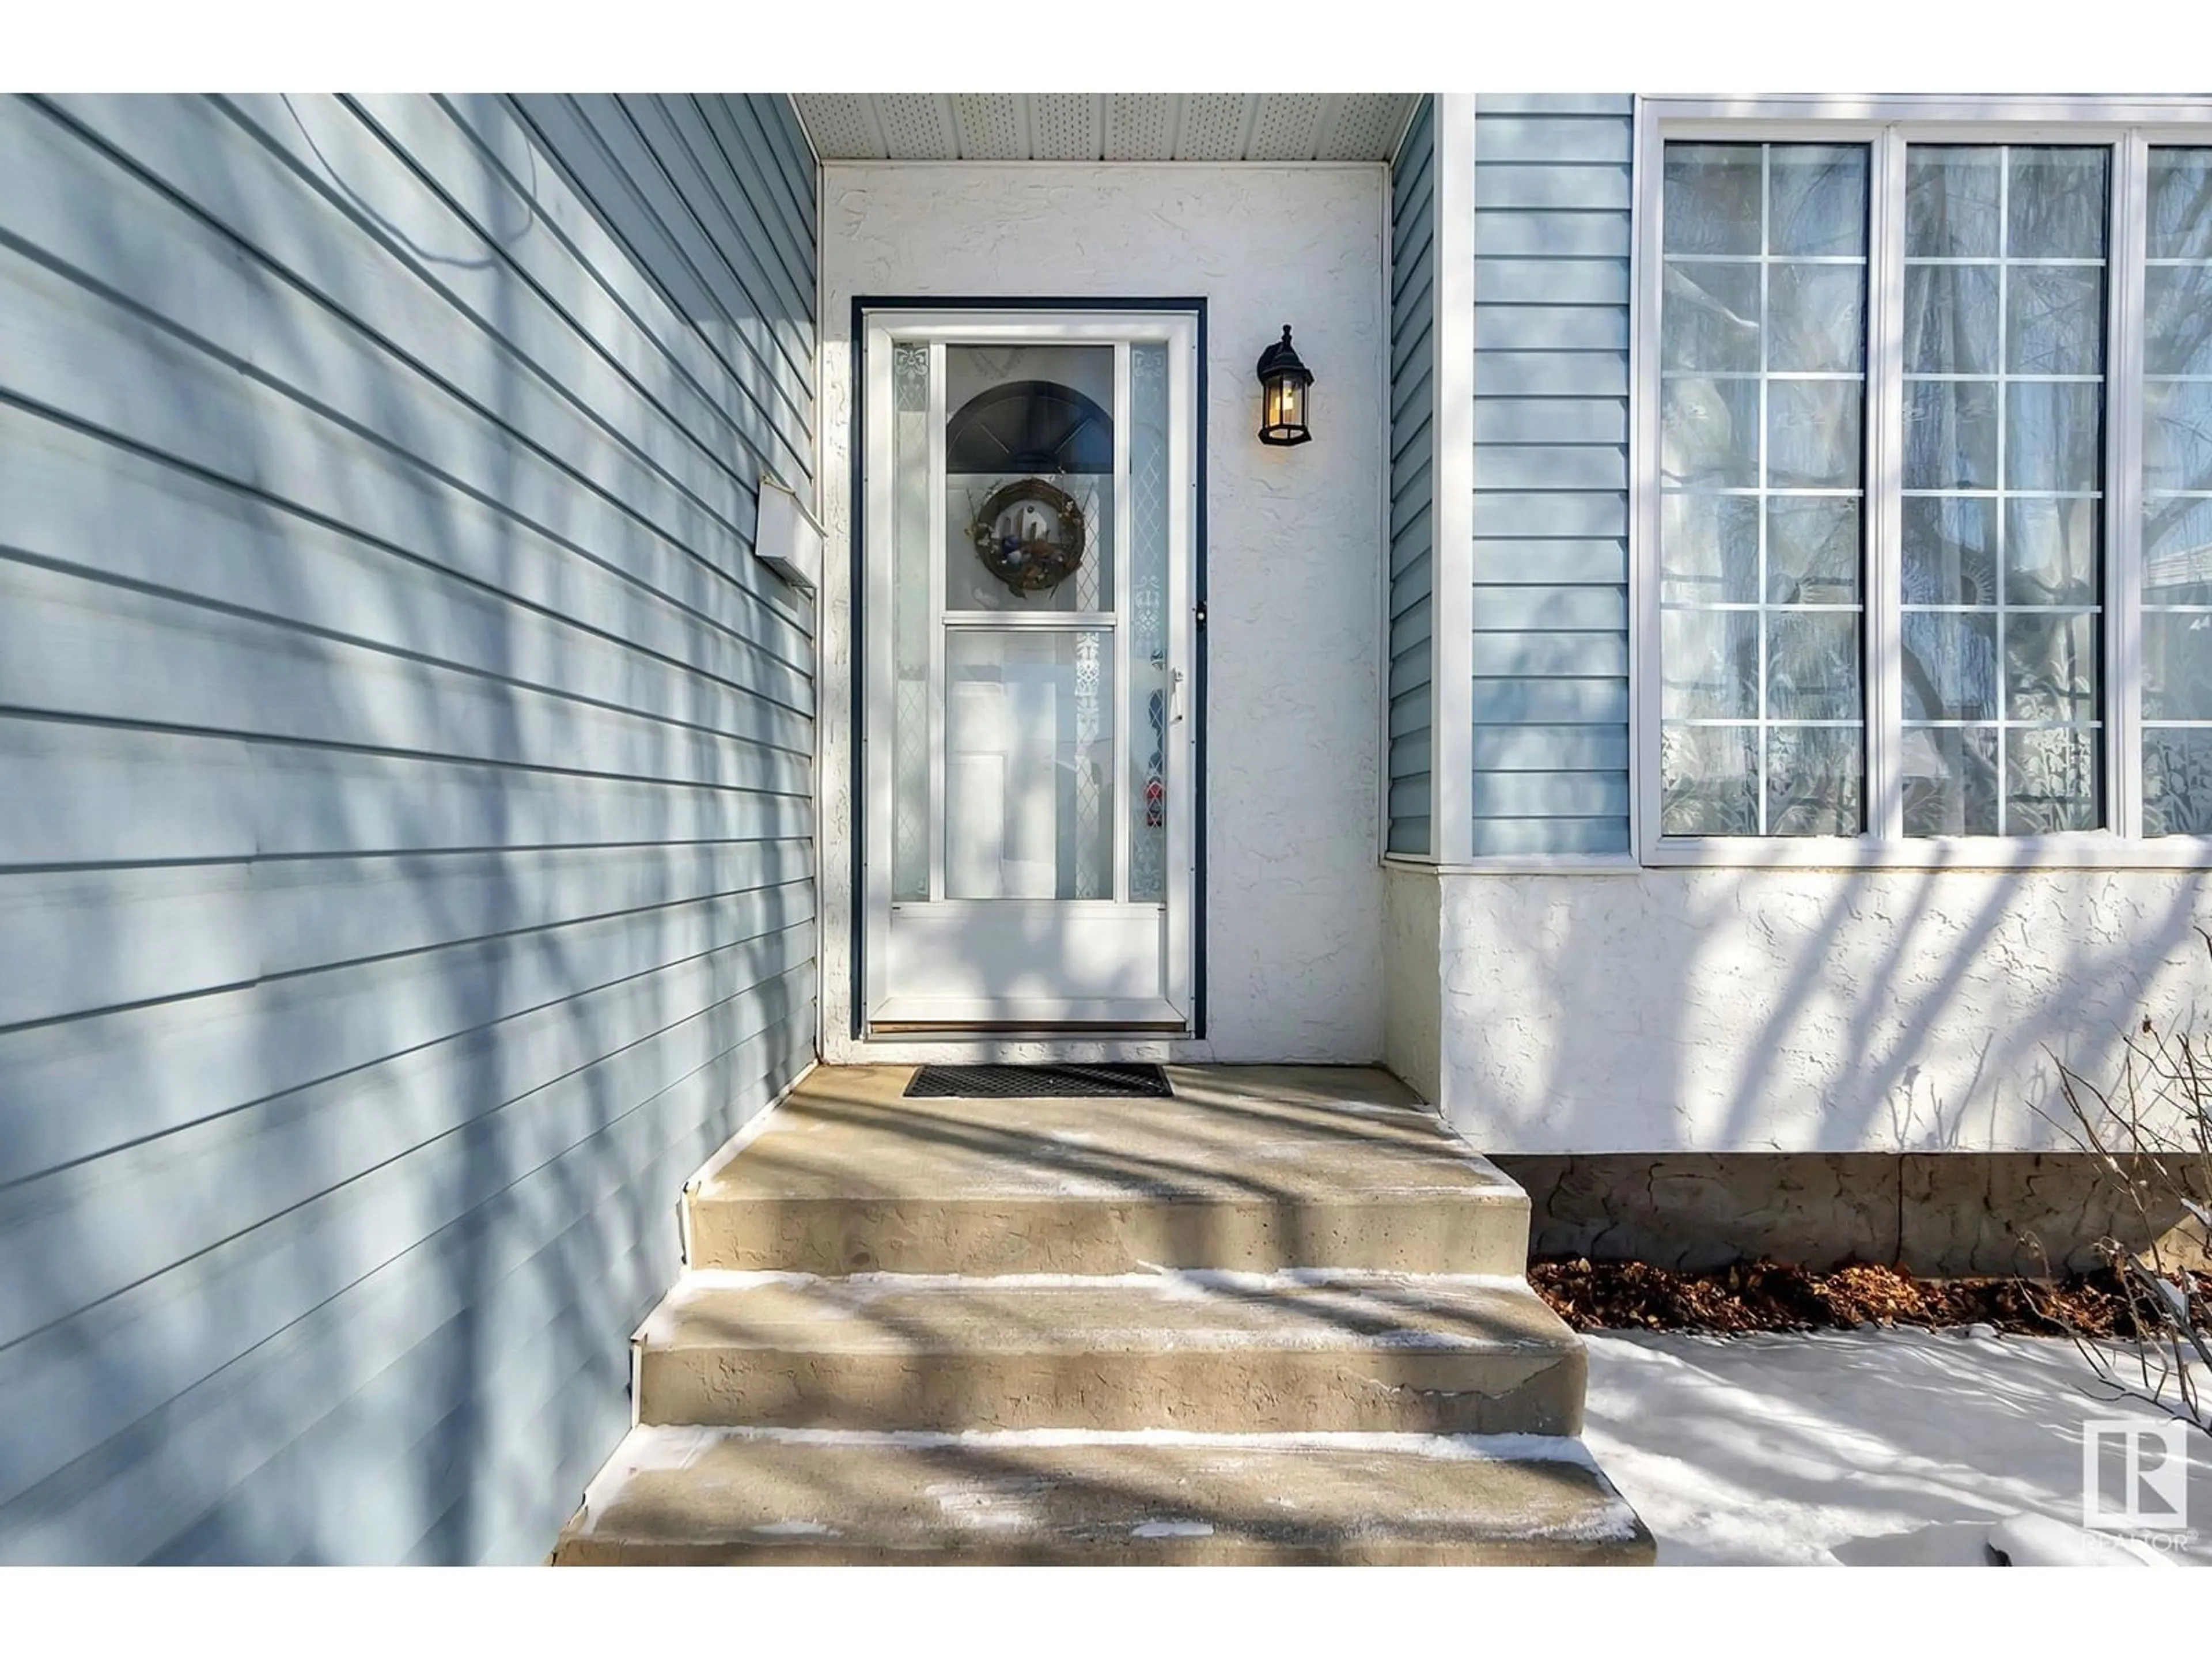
(1031, 493)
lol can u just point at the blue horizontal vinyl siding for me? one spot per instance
(406, 837)
(1412, 319)
(1553, 192)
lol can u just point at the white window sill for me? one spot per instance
(2087, 851)
(2090, 850)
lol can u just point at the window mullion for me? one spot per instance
(2122, 502)
(1884, 678)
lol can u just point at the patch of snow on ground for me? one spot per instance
(1858, 1448)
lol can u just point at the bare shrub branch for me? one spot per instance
(2150, 1133)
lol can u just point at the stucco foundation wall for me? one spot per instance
(1293, 964)
(1770, 1011)
(1930, 1212)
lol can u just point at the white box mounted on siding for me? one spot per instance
(787, 538)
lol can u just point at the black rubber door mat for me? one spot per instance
(1031, 1082)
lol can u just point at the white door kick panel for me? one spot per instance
(980, 952)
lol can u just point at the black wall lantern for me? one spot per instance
(1283, 393)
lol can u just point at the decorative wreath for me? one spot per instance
(1032, 551)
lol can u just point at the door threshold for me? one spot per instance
(955, 1029)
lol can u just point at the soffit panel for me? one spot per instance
(1119, 126)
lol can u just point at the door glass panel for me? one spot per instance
(1149, 691)
(911, 625)
(1028, 462)
(1028, 763)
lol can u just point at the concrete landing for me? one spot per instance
(1248, 1167)
(700, 1496)
(1419, 1353)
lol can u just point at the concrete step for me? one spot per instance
(1248, 1167)
(1196, 1349)
(799, 1496)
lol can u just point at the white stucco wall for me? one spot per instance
(1294, 917)
(1800, 1011)
(1413, 979)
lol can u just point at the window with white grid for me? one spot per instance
(2177, 495)
(1925, 490)
(1761, 455)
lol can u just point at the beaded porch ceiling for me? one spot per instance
(1108, 126)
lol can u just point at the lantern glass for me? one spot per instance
(1286, 394)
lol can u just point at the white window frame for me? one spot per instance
(2131, 127)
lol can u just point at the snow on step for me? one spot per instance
(1201, 1350)
(706, 1495)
